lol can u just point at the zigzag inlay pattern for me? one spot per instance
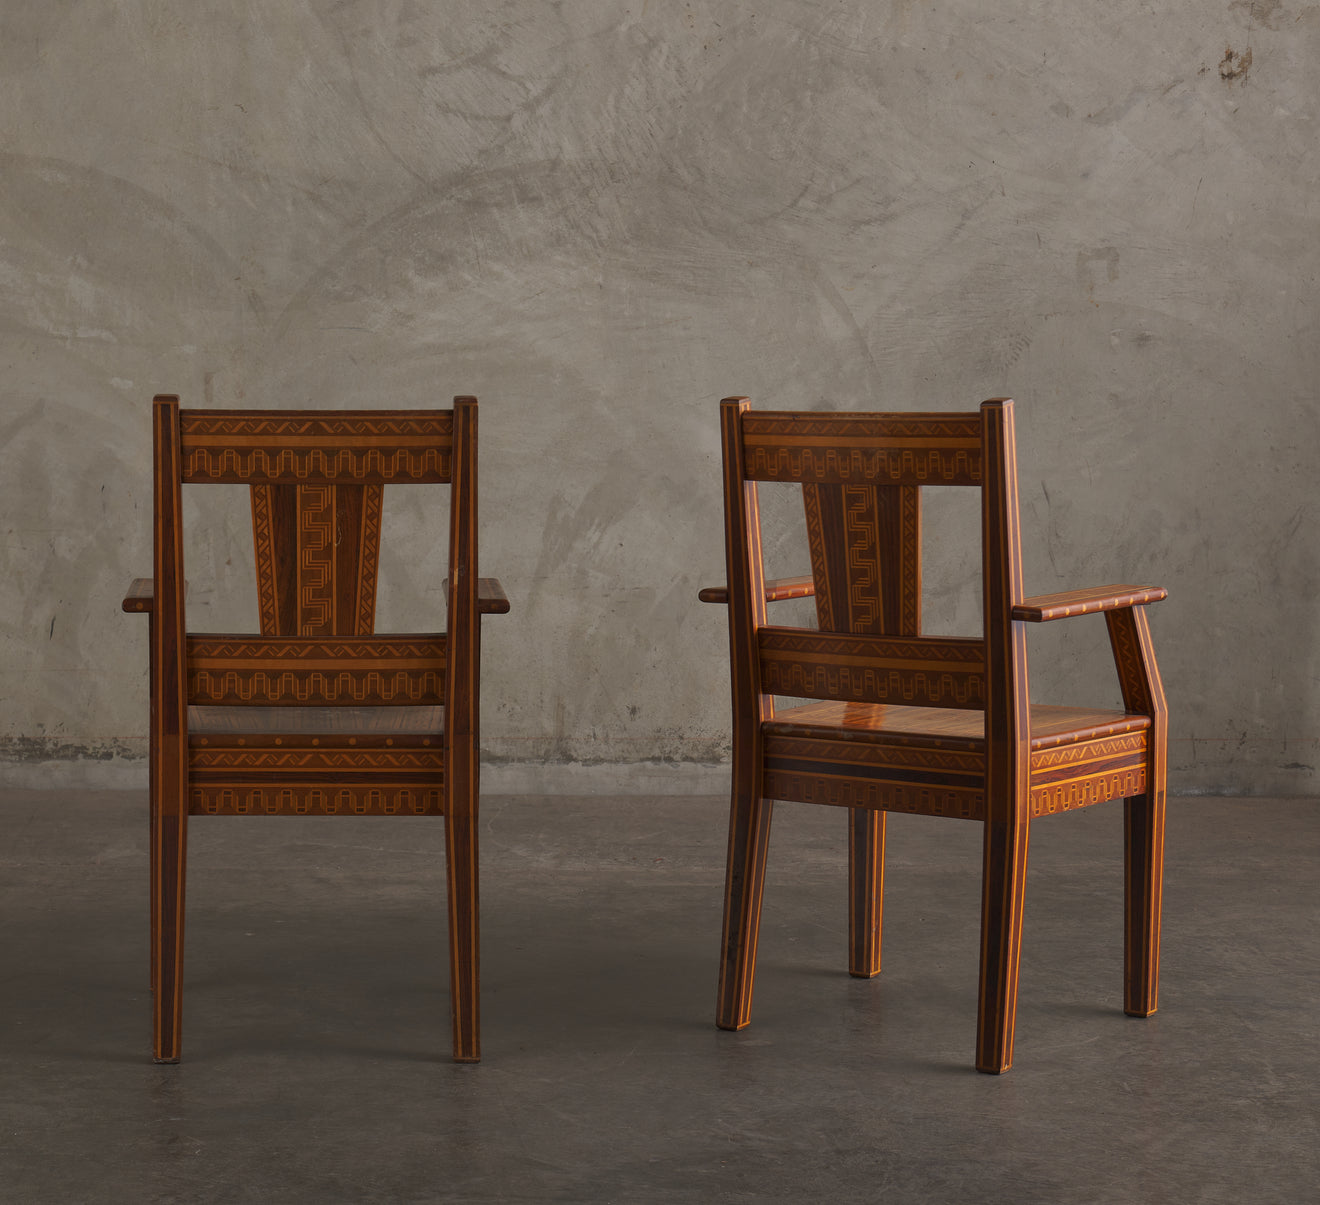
(436, 427)
(878, 466)
(1127, 658)
(225, 757)
(373, 498)
(910, 570)
(1129, 744)
(383, 648)
(263, 539)
(963, 428)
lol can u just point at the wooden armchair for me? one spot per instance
(910, 723)
(317, 715)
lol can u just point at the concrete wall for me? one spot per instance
(600, 218)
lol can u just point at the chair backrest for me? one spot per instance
(316, 480)
(861, 476)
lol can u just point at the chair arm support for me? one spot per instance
(491, 599)
(141, 596)
(776, 590)
(1044, 607)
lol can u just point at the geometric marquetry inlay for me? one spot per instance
(279, 671)
(918, 671)
(255, 447)
(928, 449)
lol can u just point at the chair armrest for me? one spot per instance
(141, 595)
(491, 599)
(1044, 607)
(776, 590)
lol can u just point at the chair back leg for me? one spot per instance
(866, 891)
(749, 843)
(1003, 884)
(464, 937)
(169, 855)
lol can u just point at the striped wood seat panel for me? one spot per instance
(931, 761)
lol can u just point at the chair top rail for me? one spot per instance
(852, 448)
(355, 447)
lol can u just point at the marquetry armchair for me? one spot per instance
(317, 715)
(909, 723)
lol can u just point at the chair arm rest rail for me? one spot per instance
(141, 595)
(491, 599)
(776, 590)
(1044, 607)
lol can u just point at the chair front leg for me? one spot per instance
(153, 808)
(1143, 815)
(866, 890)
(1143, 856)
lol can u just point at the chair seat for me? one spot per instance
(931, 760)
(940, 727)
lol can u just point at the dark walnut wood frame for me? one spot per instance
(317, 715)
(911, 723)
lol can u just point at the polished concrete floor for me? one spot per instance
(316, 1020)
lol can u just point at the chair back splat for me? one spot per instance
(907, 722)
(316, 714)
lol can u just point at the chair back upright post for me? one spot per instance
(1008, 737)
(461, 733)
(750, 812)
(169, 725)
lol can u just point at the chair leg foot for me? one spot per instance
(866, 891)
(749, 842)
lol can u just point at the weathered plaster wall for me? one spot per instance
(600, 218)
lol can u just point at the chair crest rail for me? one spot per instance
(255, 447)
(918, 449)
